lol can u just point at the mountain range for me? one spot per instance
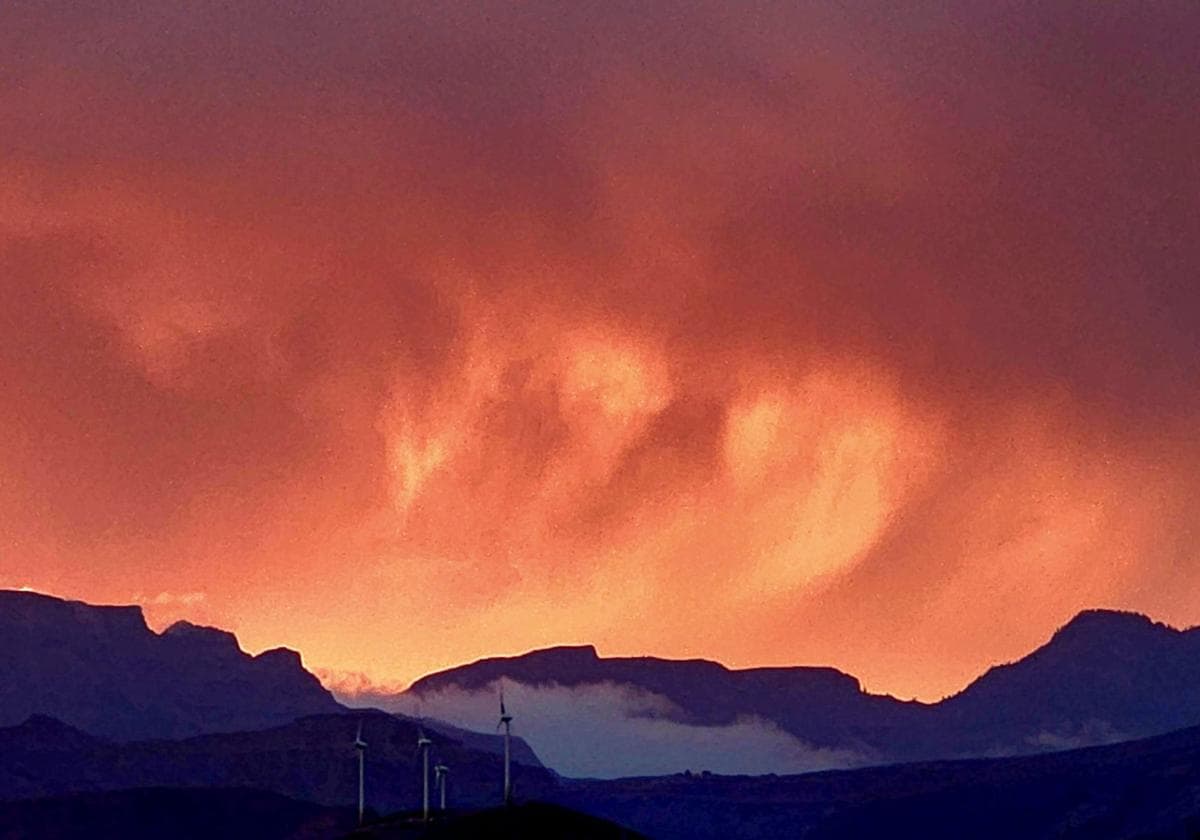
(102, 719)
(1105, 676)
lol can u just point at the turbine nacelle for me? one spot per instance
(505, 717)
(422, 741)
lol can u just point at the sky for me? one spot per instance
(404, 334)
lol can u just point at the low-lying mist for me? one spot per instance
(609, 730)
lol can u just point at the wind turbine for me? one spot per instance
(506, 722)
(439, 772)
(423, 745)
(360, 747)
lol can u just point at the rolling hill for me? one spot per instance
(309, 759)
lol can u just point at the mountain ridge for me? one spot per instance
(580, 657)
(579, 653)
(103, 669)
(1103, 676)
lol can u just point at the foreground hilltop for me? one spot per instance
(105, 671)
(247, 814)
(526, 820)
(178, 813)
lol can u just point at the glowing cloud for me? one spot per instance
(792, 335)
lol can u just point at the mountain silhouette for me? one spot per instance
(823, 707)
(705, 692)
(1103, 677)
(119, 720)
(103, 670)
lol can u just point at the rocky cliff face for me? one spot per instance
(103, 670)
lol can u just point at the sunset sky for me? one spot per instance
(404, 334)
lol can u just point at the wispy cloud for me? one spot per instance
(772, 337)
(170, 599)
(355, 684)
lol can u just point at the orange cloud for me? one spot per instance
(795, 335)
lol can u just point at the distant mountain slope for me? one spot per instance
(487, 742)
(310, 759)
(1103, 677)
(103, 670)
(1147, 788)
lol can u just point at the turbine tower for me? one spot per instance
(439, 772)
(423, 745)
(506, 722)
(360, 747)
